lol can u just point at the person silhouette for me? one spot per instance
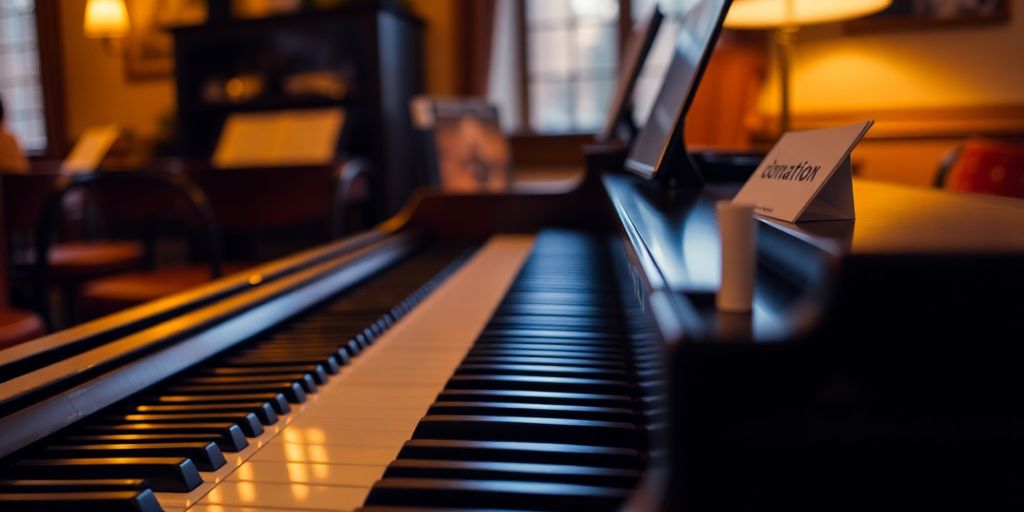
(12, 159)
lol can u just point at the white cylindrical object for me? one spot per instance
(737, 231)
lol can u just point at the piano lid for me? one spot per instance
(895, 219)
(675, 236)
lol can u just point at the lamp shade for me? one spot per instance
(105, 18)
(760, 14)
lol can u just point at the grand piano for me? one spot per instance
(553, 351)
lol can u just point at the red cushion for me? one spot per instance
(989, 167)
(82, 260)
(17, 326)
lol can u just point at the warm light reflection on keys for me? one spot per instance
(339, 443)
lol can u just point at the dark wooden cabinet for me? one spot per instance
(371, 49)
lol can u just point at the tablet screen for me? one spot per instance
(701, 24)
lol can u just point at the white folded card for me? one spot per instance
(806, 176)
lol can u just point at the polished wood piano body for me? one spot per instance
(878, 368)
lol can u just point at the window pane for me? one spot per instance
(596, 10)
(592, 98)
(546, 11)
(642, 7)
(549, 53)
(598, 50)
(550, 107)
(20, 84)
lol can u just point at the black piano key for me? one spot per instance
(552, 361)
(291, 390)
(533, 410)
(331, 360)
(316, 371)
(85, 439)
(247, 421)
(522, 471)
(557, 298)
(528, 429)
(171, 474)
(564, 343)
(230, 436)
(541, 369)
(107, 501)
(206, 456)
(539, 383)
(304, 379)
(570, 350)
(600, 324)
(493, 493)
(263, 410)
(276, 400)
(557, 310)
(539, 397)
(86, 485)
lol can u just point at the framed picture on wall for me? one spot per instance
(149, 49)
(919, 14)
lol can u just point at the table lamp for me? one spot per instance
(786, 17)
(106, 20)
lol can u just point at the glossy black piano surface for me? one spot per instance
(877, 370)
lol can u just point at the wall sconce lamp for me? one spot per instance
(107, 20)
(786, 17)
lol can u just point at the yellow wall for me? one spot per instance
(440, 40)
(839, 76)
(95, 87)
(97, 91)
(903, 69)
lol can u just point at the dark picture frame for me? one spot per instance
(931, 14)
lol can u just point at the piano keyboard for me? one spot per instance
(530, 400)
(545, 411)
(166, 447)
(343, 440)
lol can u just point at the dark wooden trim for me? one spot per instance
(474, 21)
(625, 25)
(523, 65)
(51, 70)
(530, 150)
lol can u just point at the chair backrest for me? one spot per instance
(131, 196)
(266, 198)
(24, 196)
(988, 166)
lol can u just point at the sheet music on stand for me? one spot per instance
(90, 150)
(279, 138)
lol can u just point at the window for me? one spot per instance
(569, 61)
(572, 62)
(20, 79)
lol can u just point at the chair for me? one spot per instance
(69, 263)
(16, 325)
(985, 166)
(140, 203)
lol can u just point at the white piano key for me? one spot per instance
(341, 441)
(230, 508)
(358, 454)
(349, 475)
(289, 496)
(347, 410)
(359, 424)
(354, 437)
